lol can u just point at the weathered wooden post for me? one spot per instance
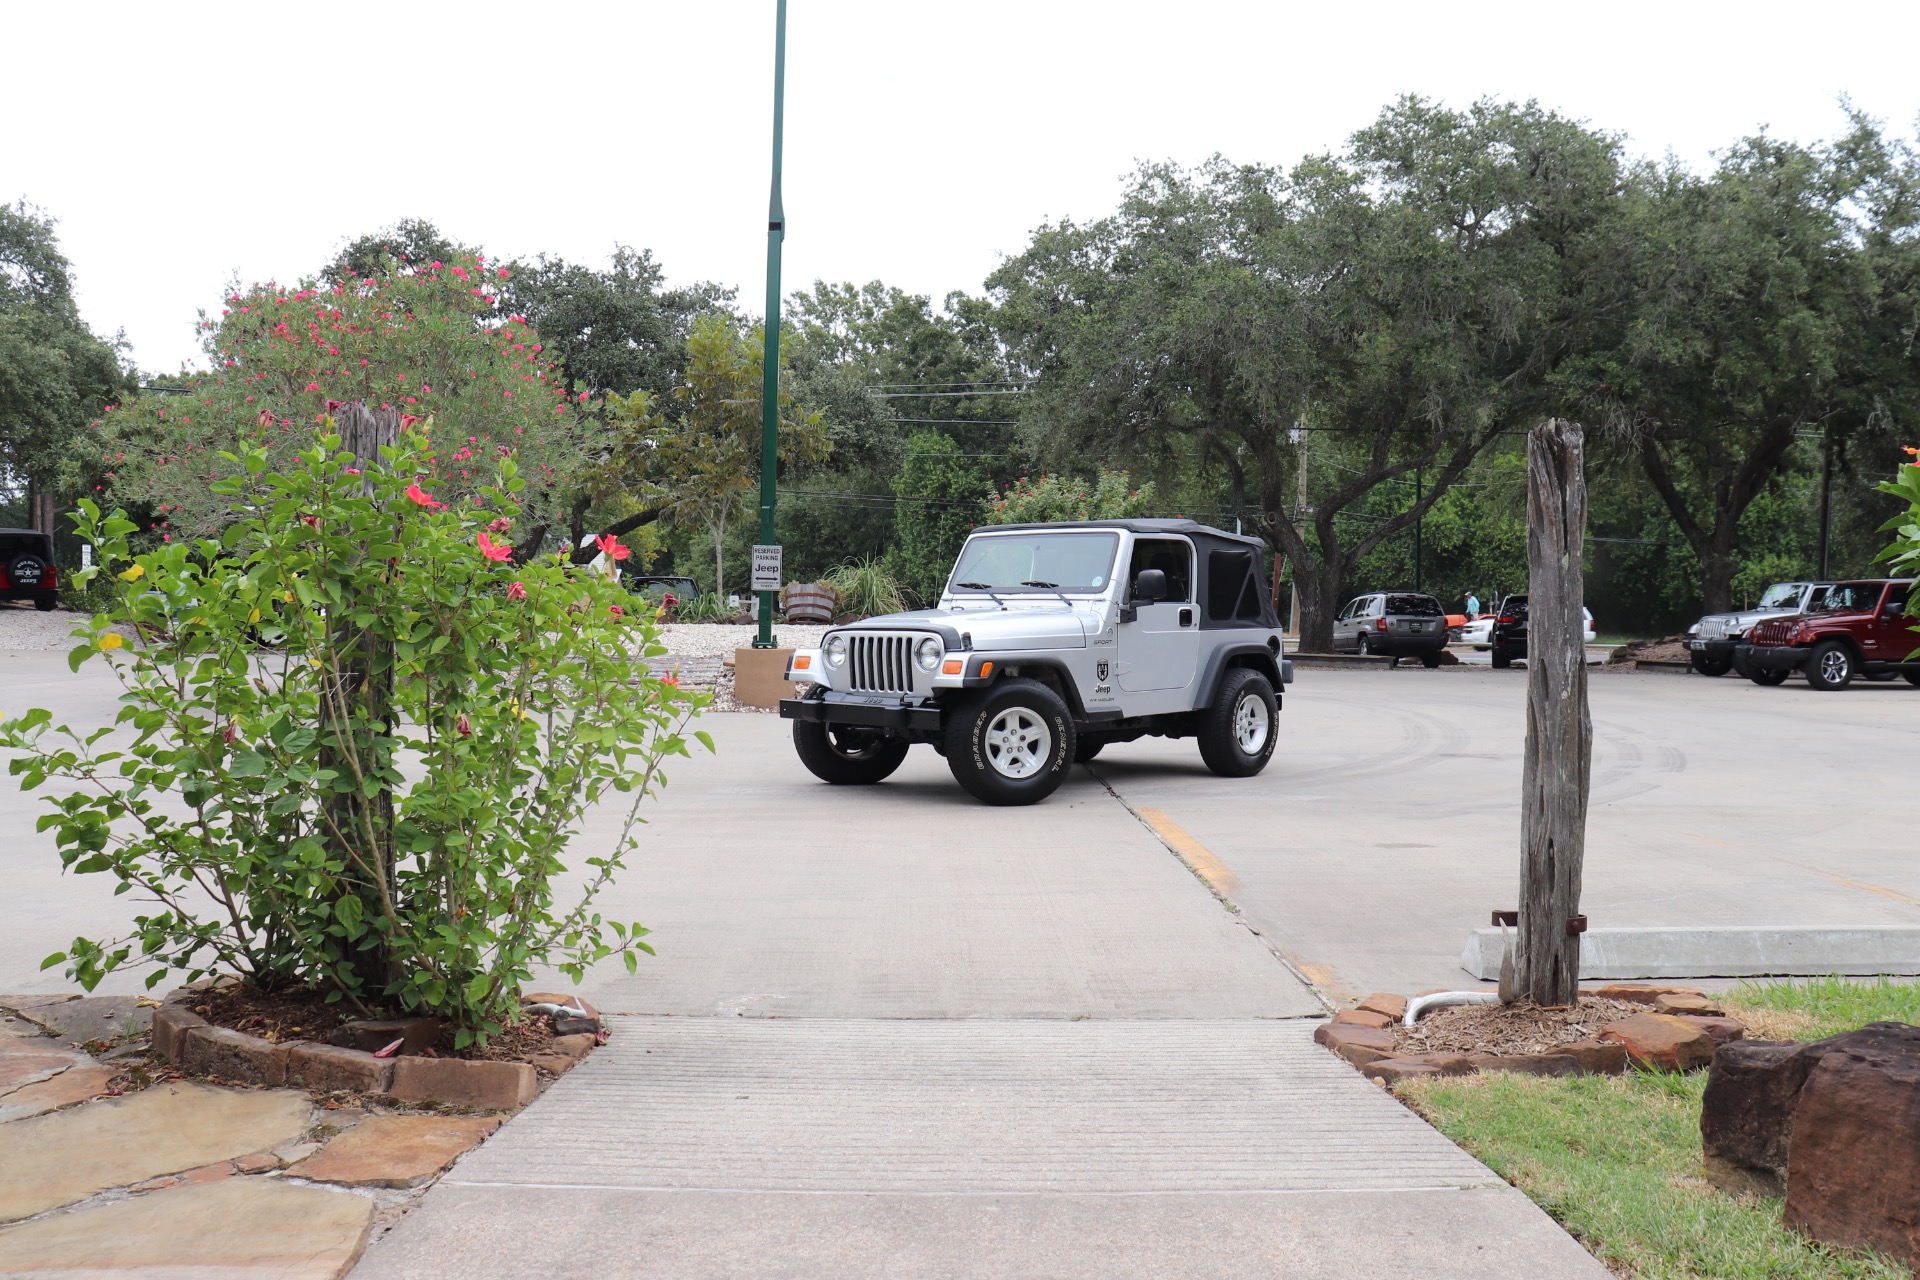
(356, 716)
(1553, 815)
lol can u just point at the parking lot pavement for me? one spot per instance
(1388, 824)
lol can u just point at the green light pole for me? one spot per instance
(770, 373)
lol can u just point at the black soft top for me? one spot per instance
(1229, 586)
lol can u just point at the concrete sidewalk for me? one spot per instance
(799, 1148)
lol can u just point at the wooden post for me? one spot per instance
(1553, 818)
(356, 719)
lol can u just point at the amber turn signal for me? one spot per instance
(986, 669)
(952, 666)
(802, 662)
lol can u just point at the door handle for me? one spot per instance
(1186, 617)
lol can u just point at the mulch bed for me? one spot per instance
(300, 1013)
(1664, 649)
(1509, 1029)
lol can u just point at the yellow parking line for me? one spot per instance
(1866, 886)
(1192, 852)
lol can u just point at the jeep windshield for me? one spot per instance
(1036, 563)
(1781, 595)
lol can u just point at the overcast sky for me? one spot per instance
(180, 145)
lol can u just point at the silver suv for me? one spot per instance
(1050, 642)
(1713, 642)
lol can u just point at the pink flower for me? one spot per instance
(500, 525)
(494, 550)
(313, 386)
(616, 611)
(516, 592)
(611, 548)
(671, 679)
(462, 727)
(422, 498)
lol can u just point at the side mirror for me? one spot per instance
(1150, 587)
(1891, 610)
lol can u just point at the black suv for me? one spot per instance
(26, 567)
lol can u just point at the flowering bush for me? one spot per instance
(1051, 497)
(1904, 552)
(426, 342)
(357, 740)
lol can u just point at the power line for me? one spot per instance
(964, 422)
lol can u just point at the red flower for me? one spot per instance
(494, 550)
(516, 592)
(423, 498)
(465, 730)
(313, 386)
(312, 522)
(611, 548)
(616, 611)
(500, 525)
(672, 679)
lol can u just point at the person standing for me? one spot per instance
(1473, 606)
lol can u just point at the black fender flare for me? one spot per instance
(1226, 657)
(1069, 688)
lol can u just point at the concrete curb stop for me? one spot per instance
(1725, 951)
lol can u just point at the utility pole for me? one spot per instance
(1418, 521)
(1299, 434)
(1826, 497)
(766, 555)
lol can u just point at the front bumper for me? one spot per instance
(872, 712)
(1721, 649)
(1771, 657)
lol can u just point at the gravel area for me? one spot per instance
(1518, 1028)
(697, 652)
(24, 627)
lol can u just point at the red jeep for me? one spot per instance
(26, 567)
(1861, 630)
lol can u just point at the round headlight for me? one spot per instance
(834, 650)
(928, 654)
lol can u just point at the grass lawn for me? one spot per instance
(1616, 1160)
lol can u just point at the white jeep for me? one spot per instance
(1049, 642)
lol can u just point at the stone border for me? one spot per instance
(1679, 1032)
(190, 1042)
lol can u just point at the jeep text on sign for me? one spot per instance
(766, 568)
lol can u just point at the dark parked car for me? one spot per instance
(1396, 624)
(26, 567)
(1507, 637)
(1862, 629)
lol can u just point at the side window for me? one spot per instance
(1896, 598)
(1175, 559)
(1373, 606)
(1815, 598)
(1230, 585)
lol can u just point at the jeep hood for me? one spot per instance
(1745, 618)
(1024, 626)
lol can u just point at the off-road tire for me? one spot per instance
(1831, 666)
(1501, 659)
(1708, 665)
(1086, 749)
(45, 601)
(1911, 677)
(1011, 744)
(1430, 660)
(1768, 679)
(1238, 731)
(847, 755)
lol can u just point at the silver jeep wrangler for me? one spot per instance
(1049, 642)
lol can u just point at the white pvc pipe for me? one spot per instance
(1441, 999)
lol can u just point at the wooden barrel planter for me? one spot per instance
(807, 602)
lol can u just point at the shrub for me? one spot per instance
(941, 492)
(376, 802)
(1904, 550)
(1033, 500)
(864, 587)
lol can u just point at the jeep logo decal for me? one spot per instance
(1100, 670)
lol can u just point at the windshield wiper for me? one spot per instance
(981, 586)
(1050, 586)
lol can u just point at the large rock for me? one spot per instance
(1393, 1006)
(56, 1159)
(1661, 1041)
(1853, 1163)
(395, 1151)
(1746, 1114)
(229, 1229)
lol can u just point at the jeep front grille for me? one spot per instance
(1772, 631)
(880, 663)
